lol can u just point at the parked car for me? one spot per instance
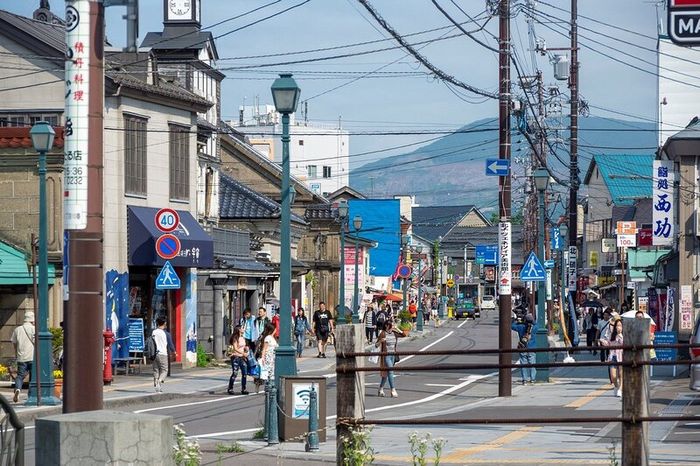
(488, 302)
(695, 355)
(466, 308)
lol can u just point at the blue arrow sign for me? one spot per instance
(549, 264)
(167, 278)
(532, 270)
(556, 239)
(497, 167)
(487, 254)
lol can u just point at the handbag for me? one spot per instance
(374, 359)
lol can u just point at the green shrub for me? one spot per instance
(203, 359)
(56, 338)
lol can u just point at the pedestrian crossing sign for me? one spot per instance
(167, 278)
(533, 270)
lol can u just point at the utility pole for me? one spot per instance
(573, 141)
(84, 314)
(504, 199)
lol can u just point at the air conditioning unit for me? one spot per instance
(265, 256)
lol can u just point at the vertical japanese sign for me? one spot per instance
(75, 179)
(663, 198)
(686, 322)
(504, 271)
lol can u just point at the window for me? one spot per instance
(28, 119)
(301, 142)
(135, 155)
(179, 162)
(312, 171)
(326, 172)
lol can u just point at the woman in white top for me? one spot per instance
(267, 359)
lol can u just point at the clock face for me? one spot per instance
(180, 7)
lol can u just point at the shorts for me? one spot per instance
(322, 336)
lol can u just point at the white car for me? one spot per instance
(488, 302)
(695, 357)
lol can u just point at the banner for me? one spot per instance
(663, 203)
(505, 278)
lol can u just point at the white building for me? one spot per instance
(318, 153)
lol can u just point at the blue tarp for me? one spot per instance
(381, 223)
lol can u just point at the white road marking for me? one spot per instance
(460, 325)
(426, 348)
(194, 403)
(221, 434)
(439, 384)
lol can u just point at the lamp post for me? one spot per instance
(343, 217)
(419, 323)
(357, 223)
(541, 176)
(42, 135)
(285, 94)
(404, 244)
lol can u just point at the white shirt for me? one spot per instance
(23, 338)
(161, 341)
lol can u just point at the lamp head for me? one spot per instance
(285, 93)
(343, 209)
(357, 222)
(541, 176)
(42, 135)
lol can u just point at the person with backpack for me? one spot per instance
(237, 351)
(163, 347)
(261, 321)
(382, 318)
(370, 319)
(322, 327)
(525, 327)
(301, 327)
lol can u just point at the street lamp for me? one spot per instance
(541, 176)
(357, 223)
(41, 387)
(404, 244)
(343, 217)
(419, 323)
(285, 94)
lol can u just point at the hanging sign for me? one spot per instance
(505, 276)
(684, 22)
(662, 202)
(75, 133)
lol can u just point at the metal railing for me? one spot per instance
(11, 436)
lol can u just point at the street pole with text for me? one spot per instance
(343, 216)
(419, 323)
(357, 223)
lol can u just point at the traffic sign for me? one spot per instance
(549, 264)
(167, 220)
(167, 278)
(487, 254)
(532, 270)
(404, 271)
(556, 239)
(497, 167)
(167, 246)
(450, 283)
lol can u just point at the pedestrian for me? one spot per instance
(23, 339)
(413, 310)
(383, 316)
(276, 322)
(266, 361)
(261, 321)
(301, 328)
(322, 327)
(525, 326)
(237, 351)
(164, 348)
(590, 323)
(370, 319)
(615, 357)
(604, 330)
(387, 342)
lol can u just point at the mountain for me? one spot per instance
(450, 170)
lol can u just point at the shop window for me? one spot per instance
(135, 162)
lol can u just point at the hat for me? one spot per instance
(29, 316)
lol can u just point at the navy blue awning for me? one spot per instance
(197, 247)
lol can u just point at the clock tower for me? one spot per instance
(182, 13)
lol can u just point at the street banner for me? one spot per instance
(77, 101)
(505, 278)
(663, 220)
(686, 313)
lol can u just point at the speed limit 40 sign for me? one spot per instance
(167, 220)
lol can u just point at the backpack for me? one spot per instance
(523, 342)
(381, 319)
(151, 349)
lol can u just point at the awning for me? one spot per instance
(640, 261)
(14, 267)
(196, 246)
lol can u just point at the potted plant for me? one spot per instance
(58, 379)
(4, 373)
(405, 323)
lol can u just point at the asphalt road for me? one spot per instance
(216, 418)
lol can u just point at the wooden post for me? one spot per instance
(350, 398)
(635, 394)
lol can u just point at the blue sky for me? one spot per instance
(407, 100)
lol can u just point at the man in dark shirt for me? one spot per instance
(323, 327)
